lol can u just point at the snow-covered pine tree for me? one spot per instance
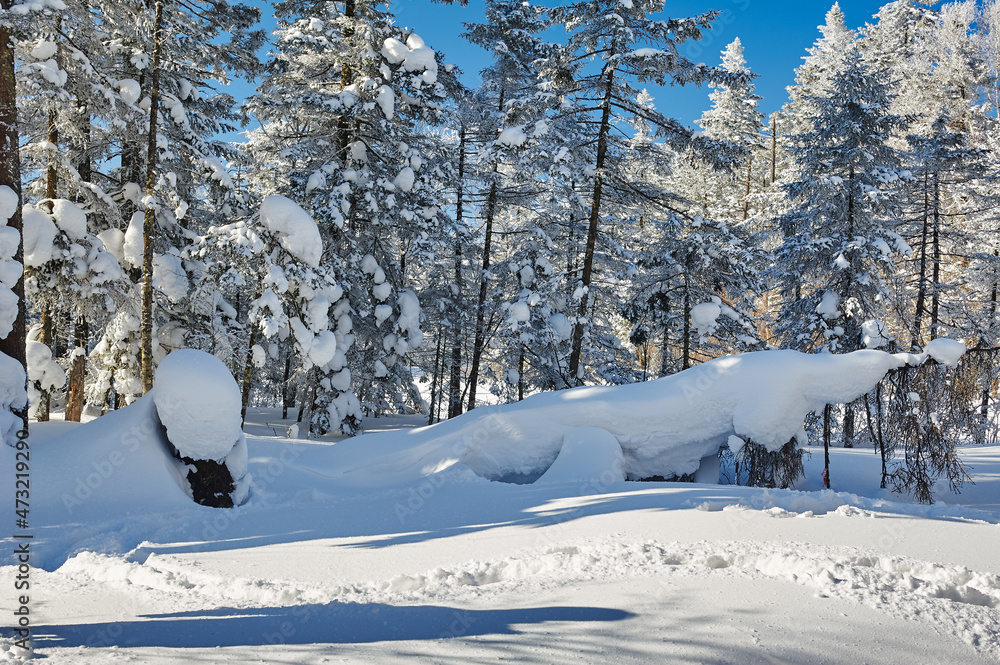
(342, 109)
(840, 240)
(503, 127)
(814, 76)
(734, 118)
(630, 47)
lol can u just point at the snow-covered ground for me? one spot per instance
(320, 567)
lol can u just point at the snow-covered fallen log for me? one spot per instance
(663, 427)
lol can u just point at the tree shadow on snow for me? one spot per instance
(334, 623)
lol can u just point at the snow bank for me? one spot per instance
(199, 403)
(663, 427)
(294, 227)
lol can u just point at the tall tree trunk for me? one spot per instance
(686, 351)
(149, 221)
(285, 402)
(520, 374)
(984, 408)
(346, 79)
(78, 372)
(916, 337)
(45, 401)
(247, 376)
(774, 146)
(575, 373)
(480, 335)
(936, 262)
(746, 193)
(434, 380)
(827, 417)
(455, 372)
(51, 192)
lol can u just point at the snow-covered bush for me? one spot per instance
(198, 403)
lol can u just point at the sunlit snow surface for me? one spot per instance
(416, 558)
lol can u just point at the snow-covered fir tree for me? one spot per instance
(840, 239)
(342, 109)
(631, 47)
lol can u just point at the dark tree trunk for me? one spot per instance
(827, 417)
(591, 247)
(480, 338)
(686, 351)
(285, 401)
(746, 193)
(774, 147)
(10, 175)
(149, 221)
(45, 401)
(936, 263)
(455, 371)
(247, 376)
(77, 373)
(916, 337)
(434, 381)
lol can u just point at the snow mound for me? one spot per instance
(295, 228)
(199, 403)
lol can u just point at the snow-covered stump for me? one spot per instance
(198, 403)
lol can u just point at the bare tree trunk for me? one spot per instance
(45, 401)
(591, 247)
(774, 146)
(44, 409)
(78, 370)
(936, 267)
(455, 372)
(480, 336)
(686, 351)
(520, 374)
(916, 338)
(984, 408)
(77, 373)
(285, 402)
(434, 381)
(849, 424)
(149, 221)
(826, 445)
(746, 193)
(247, 376)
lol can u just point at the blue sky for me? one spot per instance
(775, 36)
